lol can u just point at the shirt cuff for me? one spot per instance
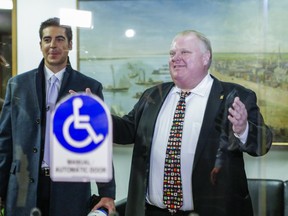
(243, 137)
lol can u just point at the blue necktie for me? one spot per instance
(51, 98)
(172, 185)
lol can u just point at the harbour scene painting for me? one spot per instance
(249, 42)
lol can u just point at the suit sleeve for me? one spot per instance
(107, 189)
(259, 138)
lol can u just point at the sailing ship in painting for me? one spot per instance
(133, 71)
(162, 70)
(148, 82)
(122, 85)
(137, 95)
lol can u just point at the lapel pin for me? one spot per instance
(221, 97)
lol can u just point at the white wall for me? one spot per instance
(273, 165)
(30, 14)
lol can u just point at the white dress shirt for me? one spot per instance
(48, 74)
(195, 107)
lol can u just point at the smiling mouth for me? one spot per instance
(178, 66)
(53, 55)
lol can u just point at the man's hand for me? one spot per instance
(107, 203)
(87, 91)
(238, 116)
(214, 174)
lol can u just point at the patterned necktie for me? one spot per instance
(51, 98)
(172, 185)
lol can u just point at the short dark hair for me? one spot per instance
(55, 21)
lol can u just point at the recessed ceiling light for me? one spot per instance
(129, 33)
(6, 4)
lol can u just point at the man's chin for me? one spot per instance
(55, 62)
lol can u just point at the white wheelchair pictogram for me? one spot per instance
(80, 122)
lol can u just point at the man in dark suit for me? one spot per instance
(207, 187)
(25, 183)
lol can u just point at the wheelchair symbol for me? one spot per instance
(80, 124)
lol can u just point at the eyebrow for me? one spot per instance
(59, 36)
(181, 50)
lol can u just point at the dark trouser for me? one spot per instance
(155, 211)
(43, 202)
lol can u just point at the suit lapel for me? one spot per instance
(214, 101)
(153, 105)
(64, 83)
(157, 96)
(40, 87)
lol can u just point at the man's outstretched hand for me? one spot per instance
(87, 90)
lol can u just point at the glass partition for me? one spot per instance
(128, 44)
(126, 48)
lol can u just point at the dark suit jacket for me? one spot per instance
(22, 128)
(230, 195)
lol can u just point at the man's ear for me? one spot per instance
(70, 45)
(206, 57)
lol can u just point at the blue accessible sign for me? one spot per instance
(81, 148)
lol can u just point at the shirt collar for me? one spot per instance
(201, 89)
(49, 73)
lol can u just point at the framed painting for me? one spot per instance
(127, 48)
